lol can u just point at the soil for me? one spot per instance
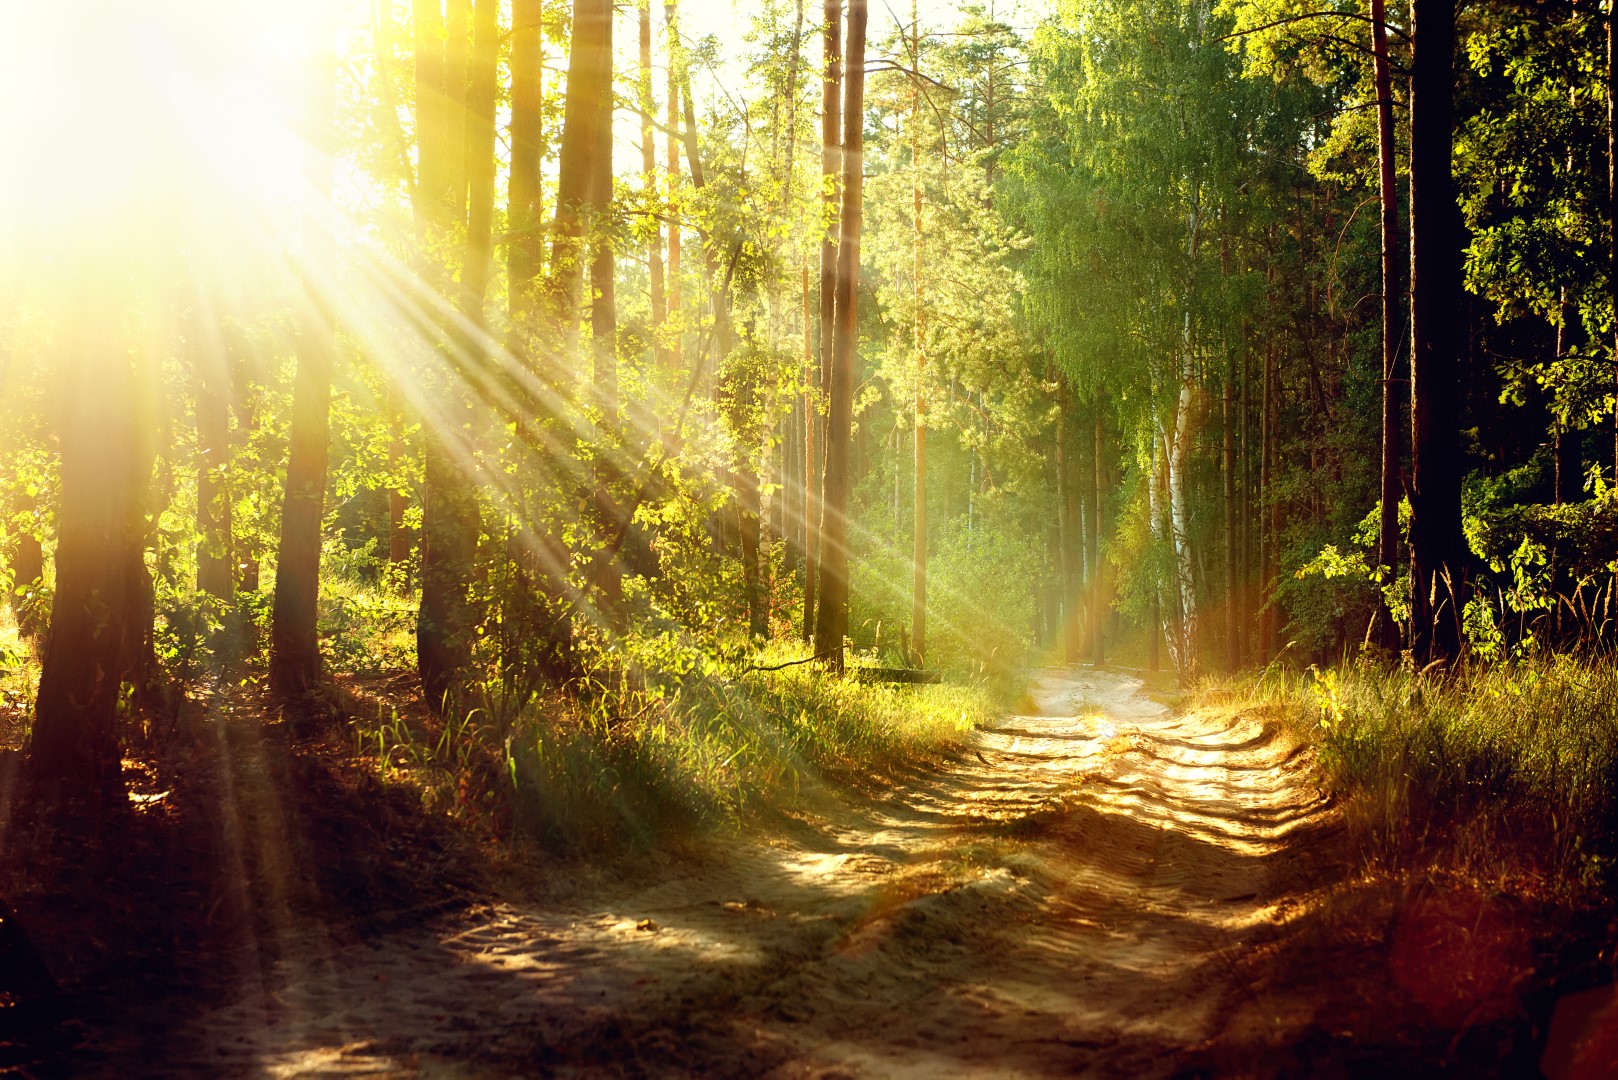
(1103, 886)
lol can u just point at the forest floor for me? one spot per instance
(1103, 885)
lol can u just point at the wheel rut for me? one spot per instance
(1066, 894)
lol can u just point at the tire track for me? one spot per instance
(1065, 895)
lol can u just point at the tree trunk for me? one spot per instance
(527, 135)
(74, 750)
(648, 180)
(450, 517)
(480, 166)
(918, 601)
(294, 637)
(1437, 549)
(1233, 625)
(1098, 595)
(1266, 488)
(811, 385)
(1178, 455)
(673, 169)
(589, 90)
(1068, 542)
(1612, 202)
(1387, 549)
(830, 166)
(831, 616)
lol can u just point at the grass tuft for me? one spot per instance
(1510, 769)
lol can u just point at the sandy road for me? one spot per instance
(1066, 895)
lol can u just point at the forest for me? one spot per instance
(950, 537)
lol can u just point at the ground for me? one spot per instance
(1103, 885)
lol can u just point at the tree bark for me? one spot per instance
(831, 616)
(1387, 549)
(480, 166)
(527, 135)
(1437, 549)
(450, 515)
(75, 750)
(1233, 624)
(1098, 594)
(1266, 488)
(649, 185)
(830, 166)
(1069, 541)
(1612, 202)
(295, 665)
(673, 169)
(918, 603)
(589, 90)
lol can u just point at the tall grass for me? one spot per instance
(621, 762)
(1511, 767)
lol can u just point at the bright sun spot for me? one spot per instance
(186, 109)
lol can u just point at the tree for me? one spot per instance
(295, 665)
(1437, 339)
(831, 615)
(75, 748)
(831, 88)
(451, 519)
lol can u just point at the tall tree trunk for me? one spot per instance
(450, 516)
(1266, 488)
(648, 180)
(74, 751)
(672, 166)
(1437, 550)
(918, 603)
(480, 165)
(1177, 459)
(1387, 548)
(1245, 596)
(1069, 542)
(589, 90)
(294, 638)
(1612, 201)
(831, 85)
(527, 136)
(603, 286)
(608, 576)
(214, 575)
(1233, 607)
(831, 616)
(811, 384)
(1099, 600)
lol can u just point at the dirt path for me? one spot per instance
(1068, 894)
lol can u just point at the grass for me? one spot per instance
(1503, 771)
(622, 762)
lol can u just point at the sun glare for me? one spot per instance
(175, 108)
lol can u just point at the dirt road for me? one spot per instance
(1067, 894)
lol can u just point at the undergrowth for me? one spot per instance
(1505, 770)
(632, 754)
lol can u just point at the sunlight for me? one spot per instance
(105, 105)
